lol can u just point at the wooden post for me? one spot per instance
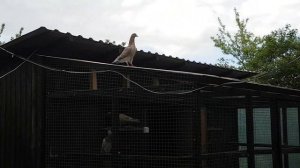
(203, 121)
(93, 81)
(276, 135)
(250, 132)
(284, 135)
(126, 82)
(197, 158)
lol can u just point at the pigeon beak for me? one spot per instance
(137, 36)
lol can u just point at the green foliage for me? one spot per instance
(242, 45)
(275, 56)
(19, 34)
(279, 58)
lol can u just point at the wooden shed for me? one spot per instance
(62, 104)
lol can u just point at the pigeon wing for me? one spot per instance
(125, 53)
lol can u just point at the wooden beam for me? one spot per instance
(250, 132)
(93, 81)
(276, 135)
(284, 134)
(126, 82)
(204, 136)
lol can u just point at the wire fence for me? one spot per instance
(98, 115)
(103, 120)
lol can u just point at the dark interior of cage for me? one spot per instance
(84, 111)
(146, 129)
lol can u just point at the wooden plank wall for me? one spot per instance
(21, 117)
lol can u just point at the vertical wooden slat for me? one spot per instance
(28, 117)
(196, 119)
(7, 151)
(203, 122)
(40, 121)
(33, 116)
(17, 118)
(284, 135)
(126, 82)
(23, 114)
(276, 133)
(13, 117)
(2, 120)
(250, 132)
(204, 136)
(284, 127)
(93, 81)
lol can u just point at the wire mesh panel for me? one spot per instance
(223, 133)
(290, 134)
(292, 126)
(263, 161)
(116, 123)
(112, 116)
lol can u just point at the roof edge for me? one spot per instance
(27, 36)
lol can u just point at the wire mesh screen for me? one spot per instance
(103, 120)
(220, 134)
(128, 117)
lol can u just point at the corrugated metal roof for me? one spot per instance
(56, 43)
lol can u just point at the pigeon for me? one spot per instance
(128, 53)
(106, 143)
(127, 119)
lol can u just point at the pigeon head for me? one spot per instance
(134, 35)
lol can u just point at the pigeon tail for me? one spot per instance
(115, 61)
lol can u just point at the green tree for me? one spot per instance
(276, 56)
(242, 45)
(17, 35)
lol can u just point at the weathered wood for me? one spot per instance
(204, 135)
(276, 135)
(126, 82)
(196, 119)
(23, 114)
(93, 81)
(18, 117)
(2, 120)
(41, 118)
(33, 115)
(8, 142)
(284, 134)
(250, 132)
(27, 139)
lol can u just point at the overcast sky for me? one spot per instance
(181, 28)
